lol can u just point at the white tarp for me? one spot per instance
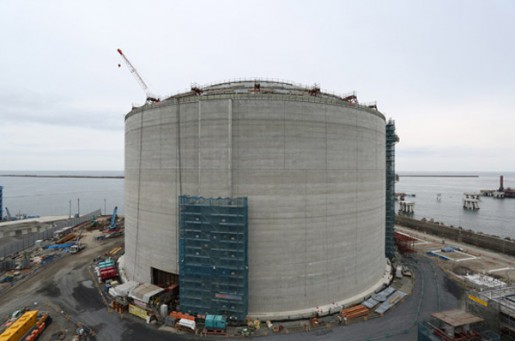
(187, 323)
(145, 291)
(485, 281)
(123, 290)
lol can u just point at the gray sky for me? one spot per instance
(444, 70)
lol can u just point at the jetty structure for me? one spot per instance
(470, 204)
(499, 193)
(406, 207)
(471, 201)
(260, 198)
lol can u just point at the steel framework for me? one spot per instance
(391, 139)
(1, 203)
(213, 259)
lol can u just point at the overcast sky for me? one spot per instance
(443, 70)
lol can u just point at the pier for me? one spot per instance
(492, 193)
(500, 193)
(471, 204)
(407, 207)
(400, 196)
(472, 195)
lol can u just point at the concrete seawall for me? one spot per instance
(460, 235)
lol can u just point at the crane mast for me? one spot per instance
(141, 82)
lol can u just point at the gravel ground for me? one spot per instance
(66, 286)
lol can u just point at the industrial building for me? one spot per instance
(259, 198)
(455, 325)
(497, 307)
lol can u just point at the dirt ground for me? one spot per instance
(67, 290)
(54, 288)
(470, 259)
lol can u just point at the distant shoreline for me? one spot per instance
(438, 176)
(63, 176)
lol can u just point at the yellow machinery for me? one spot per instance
(19, 328)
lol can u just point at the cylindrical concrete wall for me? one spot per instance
(312, 167)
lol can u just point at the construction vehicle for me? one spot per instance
(77, 248)
(112, 226)
(78, 245)
(150, 97)
(28, 326)
(9, 217)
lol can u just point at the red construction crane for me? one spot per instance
(132, 69)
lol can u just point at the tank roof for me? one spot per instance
(265, 86)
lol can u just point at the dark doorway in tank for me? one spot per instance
(164, 279)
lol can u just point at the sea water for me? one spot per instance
(495, 216)
(54, 196)
(59, 196)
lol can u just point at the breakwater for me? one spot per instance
(494, 243)
(63, 176)
(437, 176)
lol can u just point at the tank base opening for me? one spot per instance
(164, 279)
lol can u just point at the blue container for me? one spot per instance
(216, 322)
(106, 265)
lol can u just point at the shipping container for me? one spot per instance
(108, 275)
(216, 322)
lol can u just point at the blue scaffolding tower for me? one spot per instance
(1, 203)
(391, 140)
(213, 258)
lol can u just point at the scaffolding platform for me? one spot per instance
(391, 140)
(213, 257)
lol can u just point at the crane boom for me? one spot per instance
(141, 82)
(8, 214)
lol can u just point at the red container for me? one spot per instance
(108, 274)
(109, 269)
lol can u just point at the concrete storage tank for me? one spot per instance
(311, 164)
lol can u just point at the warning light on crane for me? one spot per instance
(141, 82)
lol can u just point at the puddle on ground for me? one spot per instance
(50, 289)
(87, 284)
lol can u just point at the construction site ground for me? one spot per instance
(466, 258)
(67, 290)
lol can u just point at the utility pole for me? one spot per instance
(105, 207)
(70, 210)
(78, 207)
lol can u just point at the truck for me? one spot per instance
(77, 248)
